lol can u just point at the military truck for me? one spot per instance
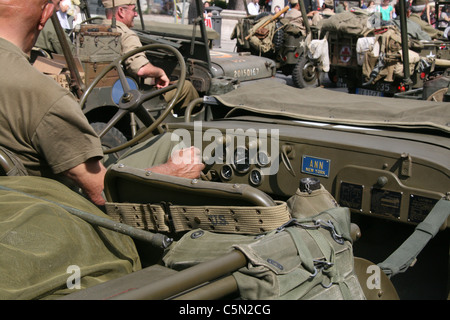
(302, 190)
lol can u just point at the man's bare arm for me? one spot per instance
(89, 176)
(150, 71)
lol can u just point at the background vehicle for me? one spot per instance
(348, 61)
(209, 71)
(285, 44)
(345, 65)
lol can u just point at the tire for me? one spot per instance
(304, 74)
(111, 139)
(278, 37)
(438, 95)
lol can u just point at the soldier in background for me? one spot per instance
(417, 7)
(326, 11)
(138, 65)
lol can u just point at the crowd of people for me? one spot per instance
(386, 8)
(421, 12)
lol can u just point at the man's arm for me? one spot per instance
(150, 71)
(89, 176)
(185, 163)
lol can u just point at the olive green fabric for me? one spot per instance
(346, 22)
(288, 263)
(313, 264)
(198, 246)
(42, 244)
(306, 204)
(262, 43)
(318, 104)
(152, 152)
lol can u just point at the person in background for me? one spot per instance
(386, 11)
(443, 17)
(362, 4)
(326, 11)
(62, 13)
(253, 7)
(371, 7)
(206, 4)
(138, 65)
(417, 8)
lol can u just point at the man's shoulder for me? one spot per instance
(293, 13)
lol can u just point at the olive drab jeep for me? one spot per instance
(304, 195)
(367, 57)
(275, 37)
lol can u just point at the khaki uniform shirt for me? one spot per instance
(434, 33)
(295, 17)
(40, 121)
(49, 41)
(130, 41)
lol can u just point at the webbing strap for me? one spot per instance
(175, 218)
(402, 258)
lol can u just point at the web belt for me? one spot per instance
(165, 217)
(405, 256)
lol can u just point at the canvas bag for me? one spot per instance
(316, 261)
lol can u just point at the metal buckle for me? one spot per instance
(291, 222)
(328, 225)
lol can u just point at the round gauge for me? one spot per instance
(263, 158)
(241, 160)
(255, 177)
(226, 172)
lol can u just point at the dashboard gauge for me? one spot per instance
(255, 177)
(220, 153)
(263, 158)
(226, 172)
(241, 160)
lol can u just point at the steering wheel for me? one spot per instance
(132, 99)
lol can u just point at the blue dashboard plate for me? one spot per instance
(316, 166)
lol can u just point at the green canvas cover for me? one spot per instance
(322, 105)
(43, 246)
(316, 260)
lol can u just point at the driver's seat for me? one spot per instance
(157, 202)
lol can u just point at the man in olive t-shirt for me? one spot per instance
(42, 122)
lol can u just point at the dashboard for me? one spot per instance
(373, 172)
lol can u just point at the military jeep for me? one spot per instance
(282, 41)
(305, 195)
